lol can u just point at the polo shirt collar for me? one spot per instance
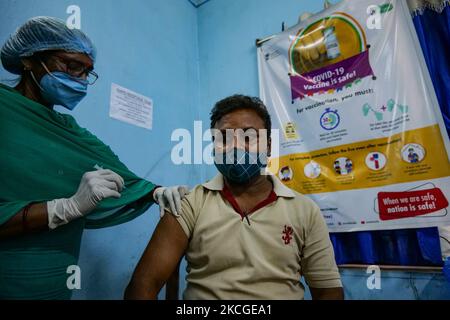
(216, 184)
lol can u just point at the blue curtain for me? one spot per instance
(413, 247)
(433, 30)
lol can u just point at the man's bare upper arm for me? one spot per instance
(165, 249)
(327, 293)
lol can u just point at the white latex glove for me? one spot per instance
(94, 187)
(170, 198)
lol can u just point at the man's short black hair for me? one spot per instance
(236, 102)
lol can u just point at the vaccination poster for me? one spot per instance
(360, 127)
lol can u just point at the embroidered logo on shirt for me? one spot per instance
(287, 234)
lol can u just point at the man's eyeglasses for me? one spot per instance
(75, 69)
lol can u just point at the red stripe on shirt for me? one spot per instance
(226, 193)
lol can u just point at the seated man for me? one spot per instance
(245, 234)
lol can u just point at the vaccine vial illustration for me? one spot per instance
(331, 43)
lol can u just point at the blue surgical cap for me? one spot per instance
(42, 34)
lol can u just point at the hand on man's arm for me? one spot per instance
(160, 259)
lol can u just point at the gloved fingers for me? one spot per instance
(97, 194)
(162, 211)
(114, 177)
(177, 200)
(159, 198)
(109, 185)
(168, 195)
(183, 190)
(113, 185)
(108, 193)
(86, 175)
(158, 195)
(107, 172)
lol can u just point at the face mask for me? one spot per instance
(238, 165)
(62, 89)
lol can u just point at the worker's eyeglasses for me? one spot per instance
(75, 68)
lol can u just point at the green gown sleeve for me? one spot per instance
(45, 153)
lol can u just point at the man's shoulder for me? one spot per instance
(199, 189)
(197, 195)
(303, 207)
(301, 199)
